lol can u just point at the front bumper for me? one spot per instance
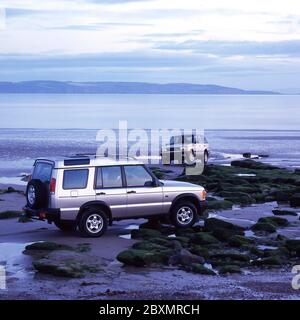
(202, 208)
(42, 214)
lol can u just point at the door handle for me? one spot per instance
(132, 191)
(100, 193)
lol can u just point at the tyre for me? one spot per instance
(205, 157)
(183, 214)
(66, 226)
(36, 194)
(93, 222)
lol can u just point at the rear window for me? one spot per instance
(75, 179)
(42, 171)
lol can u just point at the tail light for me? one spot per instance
(29, 178)
(203, 194)
(52, 185)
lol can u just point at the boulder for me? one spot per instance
(292, 244)
(284, 213)
(276, 221)
(141, 258)
(203, 238)
(151, 224)
(230, 269)
(200, 251)
(240, 241)
(66, 264)
(185, 258)
(251, 164)
(265, 227)
(46, 246)
(213, 223)
(295, 200)
(226, 234)
(230, 255)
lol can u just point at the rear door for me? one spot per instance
(144, 195)
(110, 188)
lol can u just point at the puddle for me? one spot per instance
(249, 233)
(11, 256)
(132, 227)
(214, 215)
(125, 236)
(262, 247)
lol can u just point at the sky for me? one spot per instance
(246, 44)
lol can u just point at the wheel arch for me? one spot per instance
(100, 204)
(190, 197)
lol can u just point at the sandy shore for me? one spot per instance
(118, 282)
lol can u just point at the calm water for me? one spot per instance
(150, 111)
(43, 125)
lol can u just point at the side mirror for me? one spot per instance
(150, 183)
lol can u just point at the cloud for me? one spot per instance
(233, 48)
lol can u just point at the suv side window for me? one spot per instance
(75, 179)
(137, 176)
(42, 171)
(111, 177)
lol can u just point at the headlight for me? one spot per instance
(203, 195)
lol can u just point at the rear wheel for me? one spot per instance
(36, 194)
(66, 226)
(183, 214)
(93, 222)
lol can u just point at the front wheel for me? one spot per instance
(93, 223)
(184, 214)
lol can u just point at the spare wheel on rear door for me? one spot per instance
(37, 194)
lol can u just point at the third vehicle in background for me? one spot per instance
(185, 149)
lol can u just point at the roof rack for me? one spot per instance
(105, 156)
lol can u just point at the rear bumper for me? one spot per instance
(42, 214)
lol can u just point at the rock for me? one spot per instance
(240, 241)
(226, 234)
(230, 255)
(284, 213)
(292, 244)
(276, 221)
(145, 234)
(281, 252)
(10, 214)
(257, 252)
(251, 164)
(141, 258)
(185, 258)
(203, 238)
(184, 241)
(265, 227)
(66, 264)
(24, 219)
(269, 261)
(200, 251)
(219, 205)
(230, 269)
(247, 155)
(201, 269)
(11, 189)
(46, 246)
(212, 224)
(295, 200)
(149, 246)
(263, 156)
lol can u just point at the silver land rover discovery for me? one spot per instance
(89, 193)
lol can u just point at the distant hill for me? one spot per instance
(119, 88)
